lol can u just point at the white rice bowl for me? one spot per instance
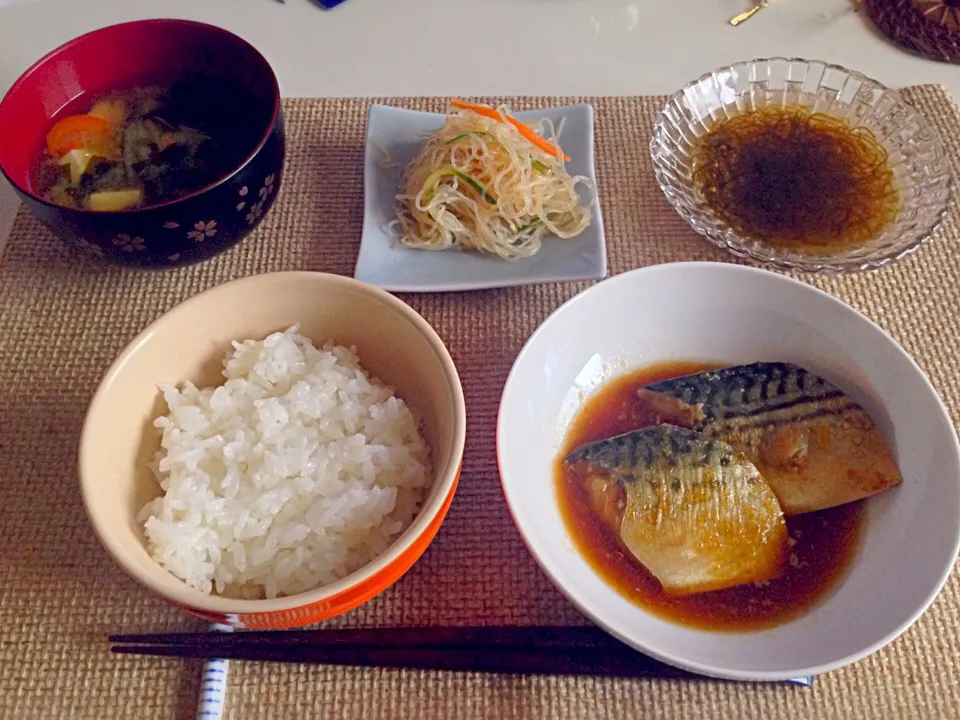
(300, 469)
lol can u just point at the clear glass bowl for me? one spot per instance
(916, 154)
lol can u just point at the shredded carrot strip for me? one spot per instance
(529, 134)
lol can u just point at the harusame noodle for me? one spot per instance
(479, 184)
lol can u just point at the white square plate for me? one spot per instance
(384, 262)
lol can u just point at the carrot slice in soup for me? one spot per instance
(78, 131)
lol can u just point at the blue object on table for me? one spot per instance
(328, 3)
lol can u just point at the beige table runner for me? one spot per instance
(63, 320)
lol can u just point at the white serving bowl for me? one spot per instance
(734, 314)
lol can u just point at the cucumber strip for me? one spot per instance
(433, 179)
(532, 223)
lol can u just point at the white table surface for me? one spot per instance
(476, 47)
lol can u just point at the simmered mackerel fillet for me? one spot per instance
(696, 513)
(811, 442)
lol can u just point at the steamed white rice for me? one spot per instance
(298, 470)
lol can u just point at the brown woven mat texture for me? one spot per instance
(63, 320)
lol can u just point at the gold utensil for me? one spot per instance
(747, 14)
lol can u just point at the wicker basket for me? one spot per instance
(928, 27)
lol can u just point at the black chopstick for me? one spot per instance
(531, 637)
(508, 650)
(512, 650)
(486, 660)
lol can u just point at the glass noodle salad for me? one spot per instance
(488, 182)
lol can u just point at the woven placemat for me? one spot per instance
(63, 320)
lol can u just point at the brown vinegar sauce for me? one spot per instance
(796, 179)
(823, 543)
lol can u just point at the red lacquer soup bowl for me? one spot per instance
(229, 87)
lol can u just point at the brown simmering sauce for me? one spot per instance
(795, 178)
(823, 543)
